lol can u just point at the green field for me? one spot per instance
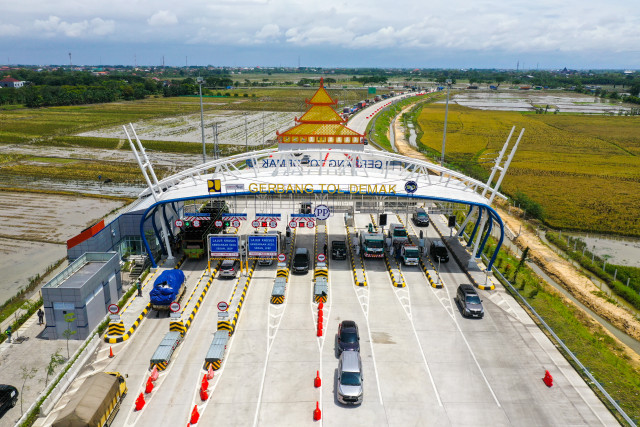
(583, 170)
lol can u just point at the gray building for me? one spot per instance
(85, 288)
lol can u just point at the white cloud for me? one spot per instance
(9, 30)
(269, 31)
(162, 18)
(55, 26)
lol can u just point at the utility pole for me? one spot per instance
(70, 63)
(200, 80)
(446, 114)
(246, 135)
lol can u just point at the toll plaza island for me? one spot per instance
(320, 282)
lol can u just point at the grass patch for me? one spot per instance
(558, 158)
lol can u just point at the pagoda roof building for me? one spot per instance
(321, 125)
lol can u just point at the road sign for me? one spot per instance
(174, 307)
(310, 224)
(223, 306)
(293, 224)
(179, 223)
(255, 223)
(322, 212)
(235, 223)
(218, 223)
(113, 309)
(224, 246)
(273, 224)
(196, 223)
(265, 245)
(282, 257)
(321, 258)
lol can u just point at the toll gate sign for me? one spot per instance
(263, 245)
(224, 246)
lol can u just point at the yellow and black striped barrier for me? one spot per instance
(321, 272)
(160, 365)
(353, 263)
(283, 272)
(116, 328)
(242, 297)
(224, 325)
(177, 325)
(198, 303)
(132, 329)
(275, 299)
(215, 365)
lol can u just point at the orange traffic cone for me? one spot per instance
(154, 373)
(205, 383)
(317, 382)
(195, 415)
(140, 402)
(204, 395)
(149, 388)
(110, 352)
(316, 412)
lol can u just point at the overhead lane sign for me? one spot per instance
(221, 246)
(262, 245)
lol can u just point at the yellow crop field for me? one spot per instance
(583, 170)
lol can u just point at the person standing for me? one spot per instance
(9, 334)
(139, 288)
(40, 316)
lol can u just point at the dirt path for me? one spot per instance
(553, 265)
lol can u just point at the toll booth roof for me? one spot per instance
(81, 270)
(82, 276)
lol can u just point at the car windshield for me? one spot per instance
(339, 245)
(349, 336)
(350, 378)
(300, 259)
(374, 243)
(422, 215)
(227, 264)
(473, 299)
(400, 232)
(411, 253)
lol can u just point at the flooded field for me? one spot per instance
(260, 126)
(617, 250)
(34, 229)
(530, 100)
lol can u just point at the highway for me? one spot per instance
(423, 363)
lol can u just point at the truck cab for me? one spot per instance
(410, 254)
(398, 234)
(372, 244)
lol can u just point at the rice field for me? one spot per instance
(584, 170)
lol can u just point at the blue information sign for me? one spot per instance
(263, 246)
(224, 246)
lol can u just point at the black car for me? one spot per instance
(348, 336)
(8, 397)
(469, 301)
(421, 218)
(338, 249)
(438, 251)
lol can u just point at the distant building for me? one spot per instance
(11, 82)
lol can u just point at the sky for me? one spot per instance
(540, 34)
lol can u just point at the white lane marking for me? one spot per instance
(272, 330)
(455, 321)
(407, 309)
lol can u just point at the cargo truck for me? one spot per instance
(398, 234)
(410, 255)
(96, 402)
(372, 244)
(168, 287)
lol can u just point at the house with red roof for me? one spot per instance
(11, 82)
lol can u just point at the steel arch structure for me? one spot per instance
(322, 170)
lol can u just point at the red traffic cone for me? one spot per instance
(140, 402)
(320, 314)
(320, 306)
(205, 383)
(320, 323)
(319, 330)
(110, 352)
(195, 415)
(317, 414)
(204, 395)
(317, 382)
(154, 373)
(149, 388)
(548, 379)
(210, 373)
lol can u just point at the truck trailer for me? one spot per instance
(96, 402)
(168, 287)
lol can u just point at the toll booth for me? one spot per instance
(85, 288)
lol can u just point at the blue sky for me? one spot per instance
(544, 34)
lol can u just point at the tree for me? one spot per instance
(26, 374)
(55, 361)
(68, 333)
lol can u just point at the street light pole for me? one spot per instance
(246, 136)
(200, 80)
(446, 114)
